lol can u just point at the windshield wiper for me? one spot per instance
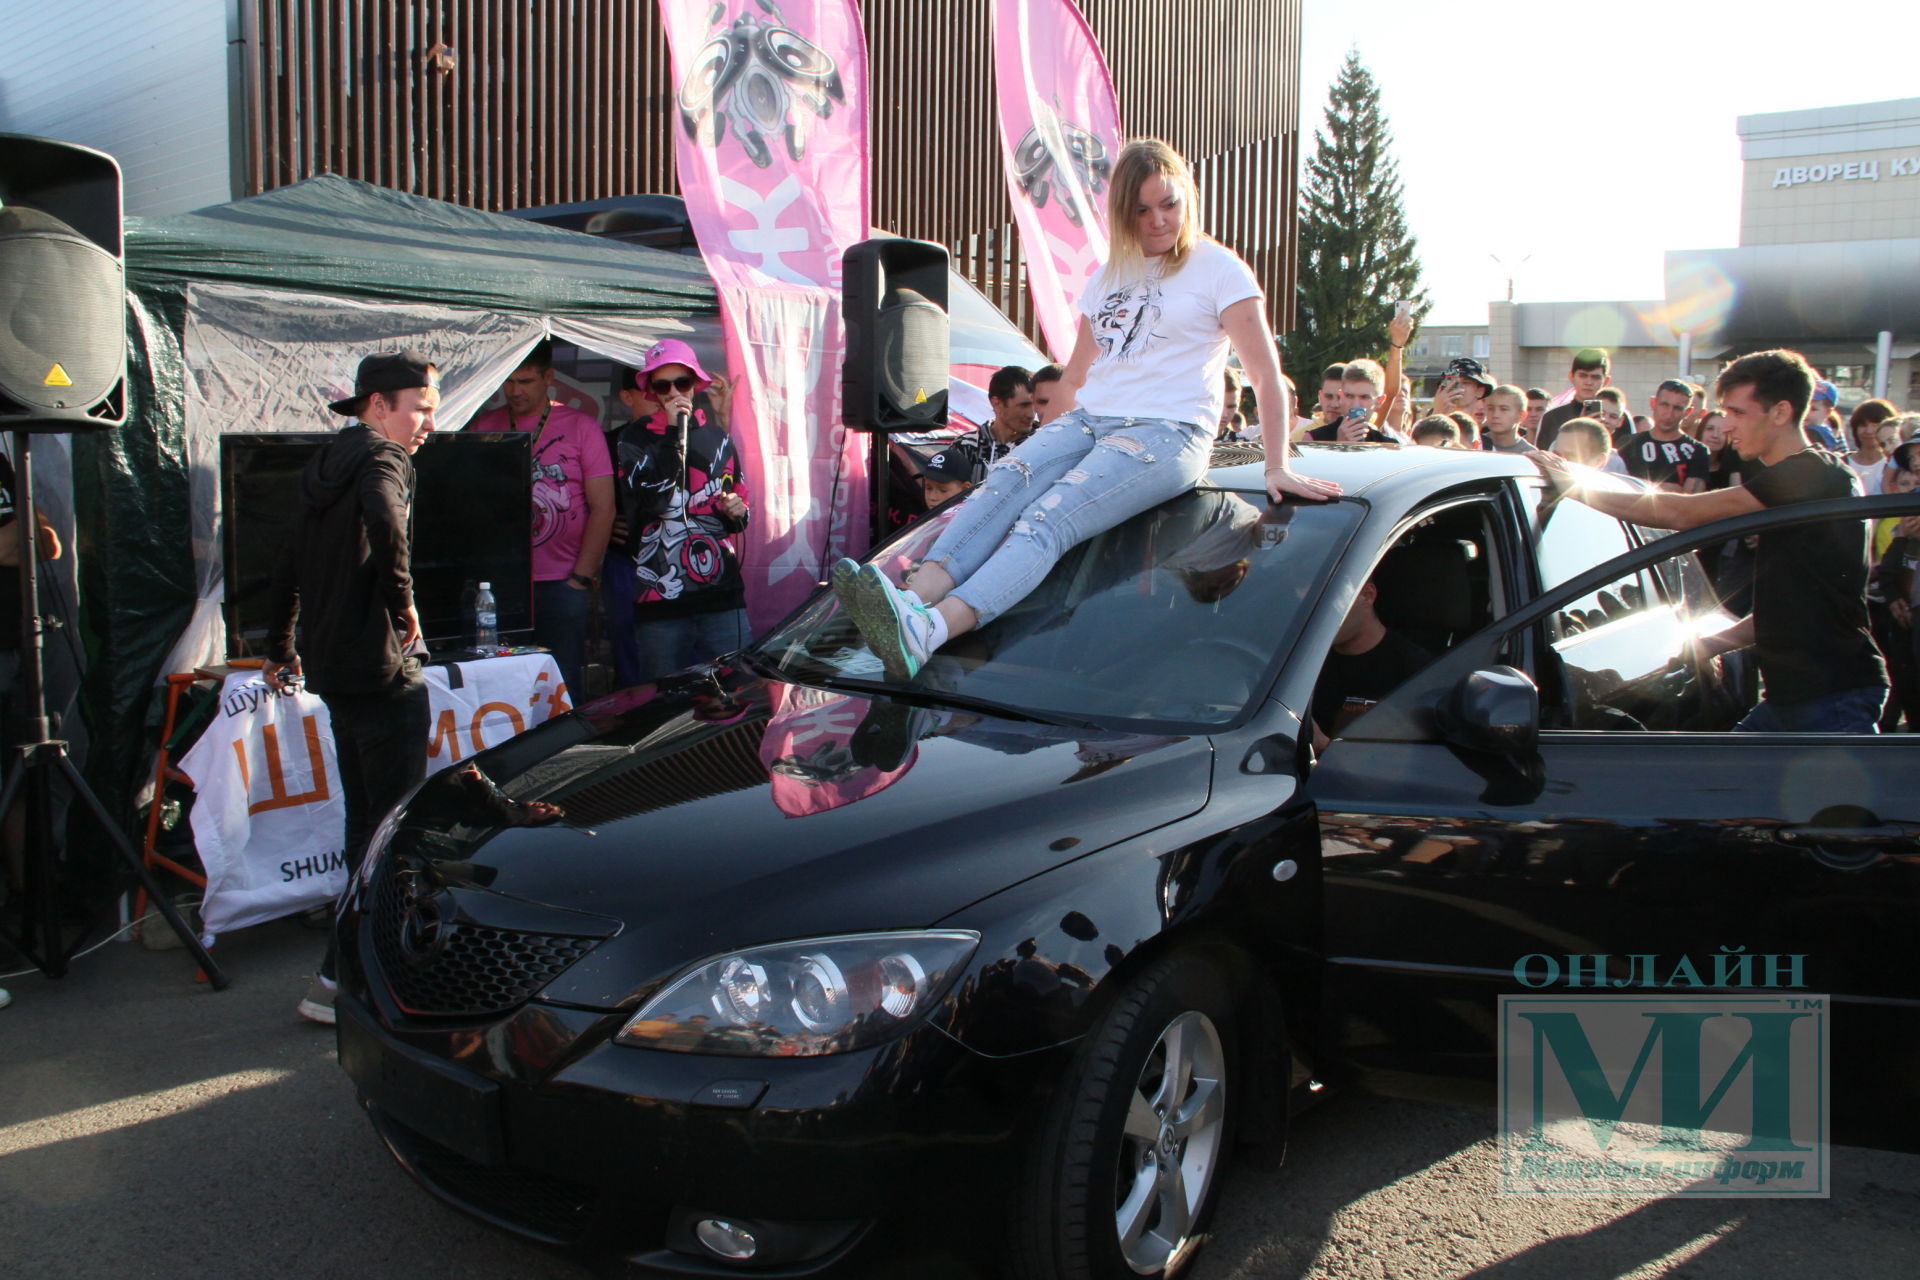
(763, 666)
(954, 701)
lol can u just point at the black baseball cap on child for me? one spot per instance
(955, 464)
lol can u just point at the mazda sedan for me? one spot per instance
(780, 967)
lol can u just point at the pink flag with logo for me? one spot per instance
(1059, 136)
(772, 151)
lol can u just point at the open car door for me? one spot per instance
(1514, 800)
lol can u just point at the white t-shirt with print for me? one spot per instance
(1161, 351)
(1872, 476)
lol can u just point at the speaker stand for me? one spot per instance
(34, 758)
(880, 463)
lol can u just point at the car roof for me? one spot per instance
(1386, 474)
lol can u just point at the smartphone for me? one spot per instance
(1403, 308)
(1591, 408)
(1357, 413)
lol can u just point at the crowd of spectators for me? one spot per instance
(658, 513)
(1678, 445)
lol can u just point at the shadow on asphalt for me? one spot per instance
(152, 1128)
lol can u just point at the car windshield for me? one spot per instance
(1175, 617)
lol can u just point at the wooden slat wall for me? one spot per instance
(553, 101)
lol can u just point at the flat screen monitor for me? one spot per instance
(472, 523)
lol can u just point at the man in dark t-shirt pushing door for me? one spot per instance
(1819, 668)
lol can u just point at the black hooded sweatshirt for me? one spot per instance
(346, 571)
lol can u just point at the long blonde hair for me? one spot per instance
(1140, 159)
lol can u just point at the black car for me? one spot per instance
(822, 973)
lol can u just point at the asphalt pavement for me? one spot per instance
(152, 1128)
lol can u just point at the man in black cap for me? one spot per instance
(1464, 388)
(346, 575)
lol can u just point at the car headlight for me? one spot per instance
(378, 842)
(799, 999)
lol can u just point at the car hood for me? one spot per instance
(735, 810)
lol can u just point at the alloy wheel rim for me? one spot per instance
(1170, 1143)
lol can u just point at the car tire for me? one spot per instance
(1126, 1152)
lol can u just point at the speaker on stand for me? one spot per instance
(62, 370)
(894, 376)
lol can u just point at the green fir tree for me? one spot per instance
(1356, 256)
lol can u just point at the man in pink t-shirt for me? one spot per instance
(573, 505)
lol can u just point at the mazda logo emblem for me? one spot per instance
(426, 925)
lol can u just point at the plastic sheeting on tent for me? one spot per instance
(250, 316)
(213, 296)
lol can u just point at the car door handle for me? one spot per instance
(1855, 837)
(1850, 848)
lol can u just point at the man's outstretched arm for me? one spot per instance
(1655, 510)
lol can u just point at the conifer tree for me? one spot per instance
(1356, 257)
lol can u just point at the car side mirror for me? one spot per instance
(1495, 710)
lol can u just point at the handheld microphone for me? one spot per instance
(681, 424)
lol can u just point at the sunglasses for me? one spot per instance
(661, 386)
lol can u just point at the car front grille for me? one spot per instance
(481, 969)
(557, 1210)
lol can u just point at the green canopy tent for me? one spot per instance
(249, 316)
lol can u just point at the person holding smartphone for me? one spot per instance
(1589, 372)
(1365, 403)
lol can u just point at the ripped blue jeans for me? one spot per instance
(1075, 477)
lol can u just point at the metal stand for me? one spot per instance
(882, 468)
(34, 758)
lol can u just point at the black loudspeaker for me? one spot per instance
(894, 301)
(63, 288)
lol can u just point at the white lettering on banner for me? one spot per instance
(767, 240)
(278, 852)
(1852, 171)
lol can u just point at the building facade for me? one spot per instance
(150, 84)
(1829, 256)
(1828, 264)
(515, 104)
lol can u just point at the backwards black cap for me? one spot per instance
(388, 372)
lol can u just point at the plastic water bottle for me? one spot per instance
(485, 618)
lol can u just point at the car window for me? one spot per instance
(1176, 616)
(1622, 641)
(1436, 585)
(1573, 538)
(1624, 658)
(1624, 664)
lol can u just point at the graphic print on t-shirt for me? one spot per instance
(551, 501)
(1663, 461)
(1124, 324)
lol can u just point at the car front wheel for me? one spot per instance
(1123, 1177)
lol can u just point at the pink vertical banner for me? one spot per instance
(772, 152)
(1059, 136)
